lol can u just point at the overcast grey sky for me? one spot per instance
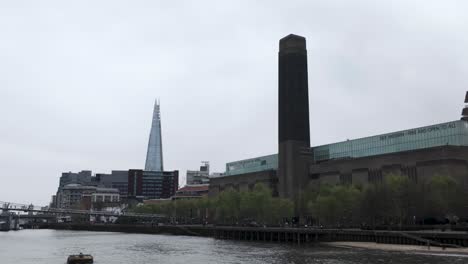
(78, 79)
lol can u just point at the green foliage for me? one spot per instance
(257, 205)
(229, 207)
(395, 201)
(445, 196)
(335, 204)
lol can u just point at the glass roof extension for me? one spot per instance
(453, 133)
(263, 163)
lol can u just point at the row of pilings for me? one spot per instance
(267, 236)
(304, 236)
(298, 236)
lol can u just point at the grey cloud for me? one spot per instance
(78, 79)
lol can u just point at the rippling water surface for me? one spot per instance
(50, 247)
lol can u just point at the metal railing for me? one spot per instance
(8, 206)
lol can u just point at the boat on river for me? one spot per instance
(80, 259)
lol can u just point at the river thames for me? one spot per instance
(50, 247)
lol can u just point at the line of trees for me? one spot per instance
(230, 207)
(395, 201)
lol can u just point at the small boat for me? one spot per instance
(80, 259)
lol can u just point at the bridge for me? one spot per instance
(31, 210)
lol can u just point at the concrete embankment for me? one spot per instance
(438, 239)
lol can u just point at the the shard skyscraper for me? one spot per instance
(154, 155)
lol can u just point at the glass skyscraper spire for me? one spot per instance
(154, 155)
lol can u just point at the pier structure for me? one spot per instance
(310, 235)
(296, 236)
(9, 221)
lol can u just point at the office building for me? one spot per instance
(77, 196)
(117, 179)
(199, 176)
(83, 177)
(145, 185)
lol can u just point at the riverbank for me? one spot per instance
(299, 236)
(398, 248)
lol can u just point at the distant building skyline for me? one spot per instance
(78, 189)
(154, 155)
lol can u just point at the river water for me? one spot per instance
(50, 247)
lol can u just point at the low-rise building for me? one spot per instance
(105, 195)
(77, 196)
(199, 176)
(156, 201)
(192, 191)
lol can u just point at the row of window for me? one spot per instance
(361, 149)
